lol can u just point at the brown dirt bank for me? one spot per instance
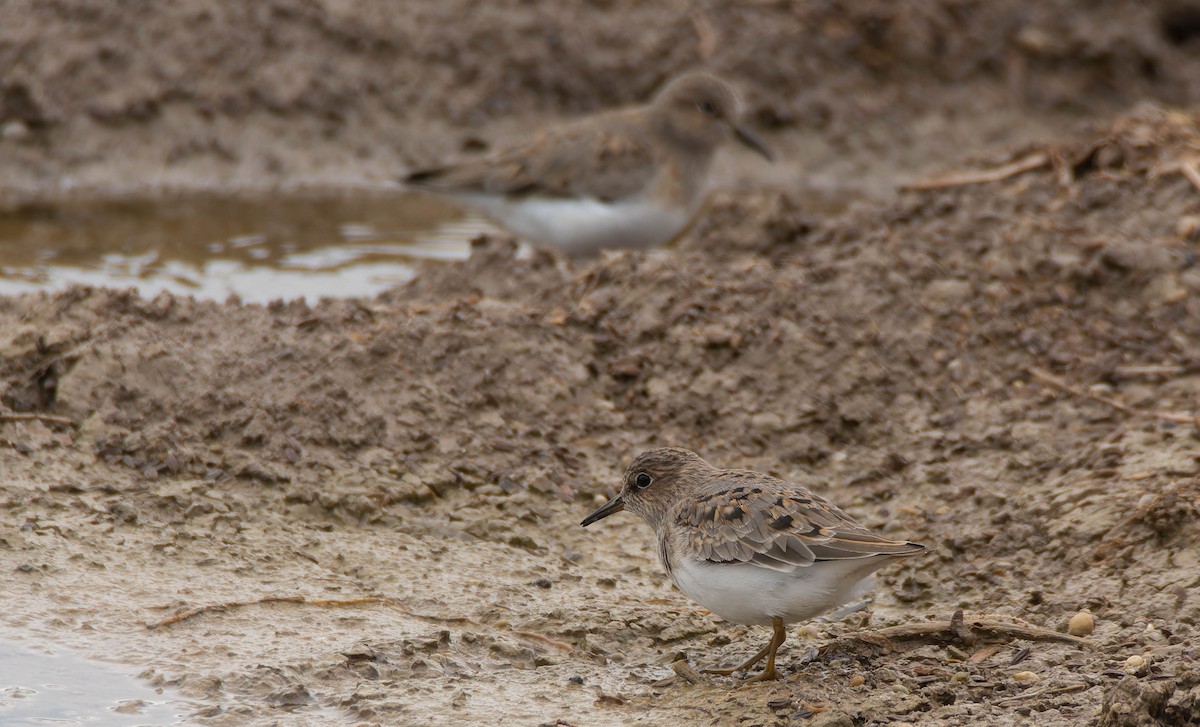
(105, 97)
(1008, 371)
(1004, 370)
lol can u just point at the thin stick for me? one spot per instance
(1191, 171)
(958, 631)
(1148, 370)
(1169, 416)
(687, 671)
(976, 630)
(13, 416)
(1047, 691)
(706, 35)
(213, 607)
(193, 612)
(981, 176)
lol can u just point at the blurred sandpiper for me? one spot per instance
(630, 178)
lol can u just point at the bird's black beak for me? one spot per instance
(751, 140)
(614, 505)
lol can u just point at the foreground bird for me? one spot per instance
(631, 178)
(751, 548)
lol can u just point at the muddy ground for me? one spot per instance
(1007, 370)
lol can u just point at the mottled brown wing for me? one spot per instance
(770, 523)
(603, 161)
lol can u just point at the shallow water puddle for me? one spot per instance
(51, 686)
(257, 247)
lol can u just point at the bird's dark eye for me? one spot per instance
(707, 108)
(643, 480)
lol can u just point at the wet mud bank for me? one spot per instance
(368, 508)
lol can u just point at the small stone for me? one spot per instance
(767, 422)
(946, 293)
(1081, 624)
(1136, 666)
(1188, 227)
(1165, 289)
(900, 689)
(359, 652)
(960, 676)
(1025, 676)
(956, 653)
(857, 680)
(14, 131)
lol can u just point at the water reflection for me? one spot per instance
(257, 247)
(44, 686)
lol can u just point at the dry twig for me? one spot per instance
(213, 607)
(13, 416)
(707, 39)
(193, 612)
(1169, 416)
(981, 176)
(1191, 171)
(958, 631)
(1045, 692)
(1148, 370)
(687, 671)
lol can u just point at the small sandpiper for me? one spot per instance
(630, 178)
(751, 548)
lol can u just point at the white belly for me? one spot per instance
(748, 594)
(580, 227)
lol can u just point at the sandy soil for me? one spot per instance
(1009, 371)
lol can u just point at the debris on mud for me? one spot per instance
(1002, 359)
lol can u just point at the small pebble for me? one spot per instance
(957, 654)
(1188, 227)
(14, 130)
(961, 676)
(1081, 624)
(857, 680)
(1025, 676)
(900, 689)
(1136, 666)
